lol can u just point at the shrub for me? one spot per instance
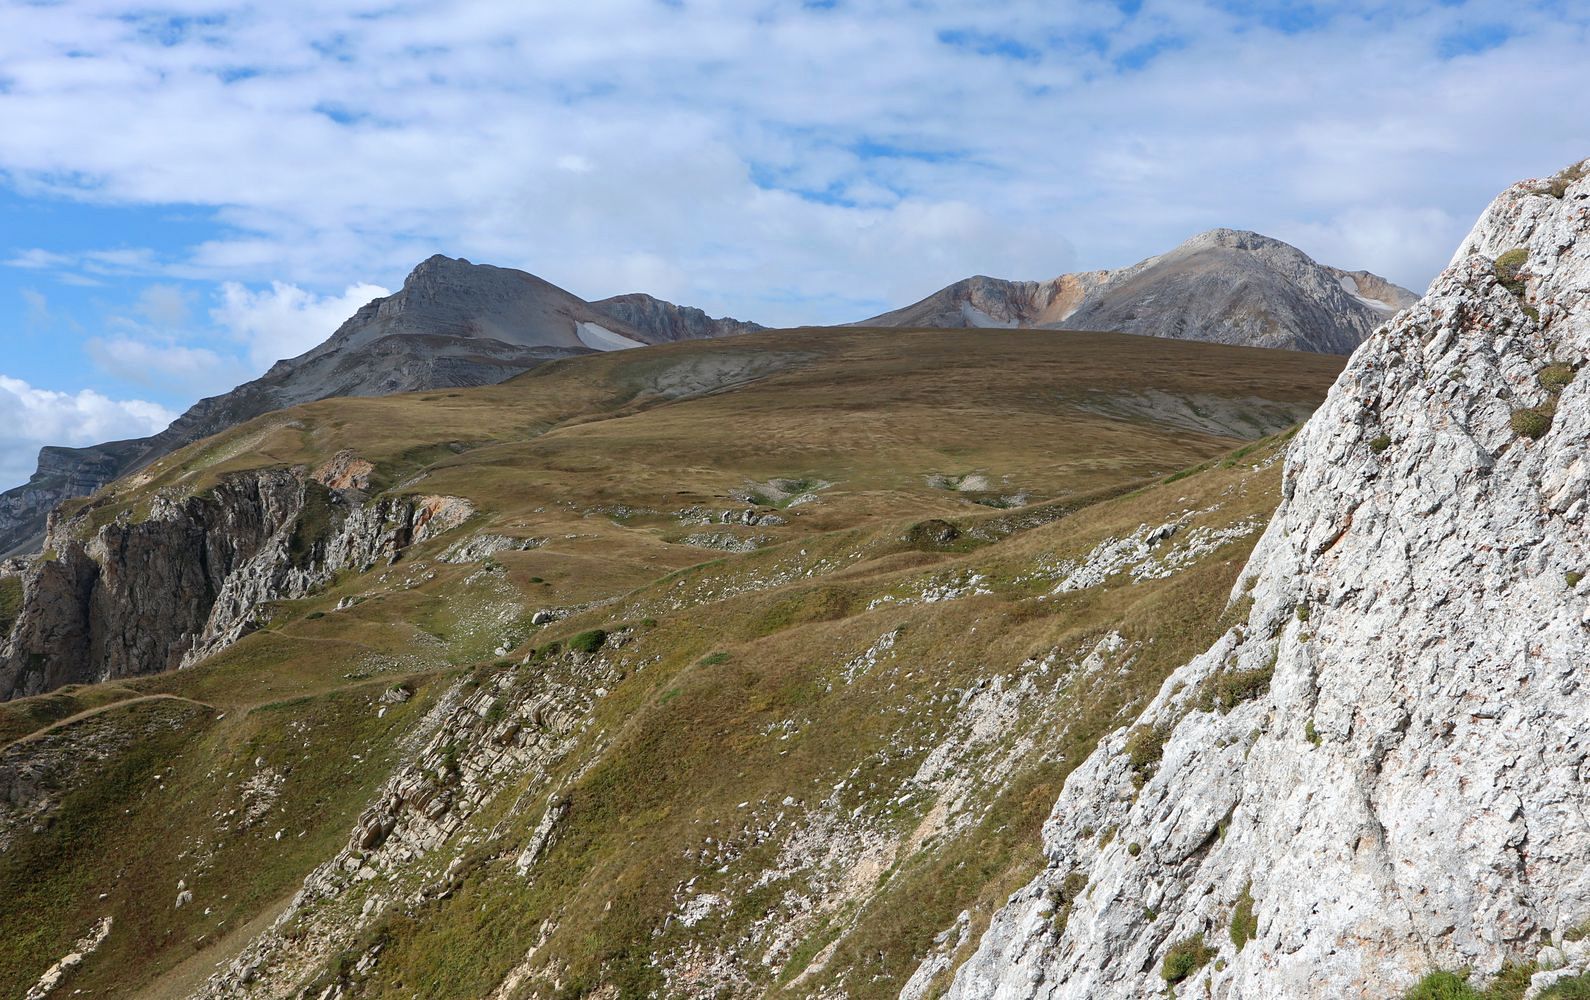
(1509, 270)
(1310, 733)
(1532, 422)
(1572, 577)
(1185, 957)
(1302, 611)
(1244, 925)
(1555, 378)
(1134, 848)
(1380, 443)
(588, 642)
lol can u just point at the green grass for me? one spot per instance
(1509, 984)
(10, 602)
(589, 641)
(735, 690)
(1556, 377)
(1532, 422)
(1244, 924)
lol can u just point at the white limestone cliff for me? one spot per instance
(1408, 791)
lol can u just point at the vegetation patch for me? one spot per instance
(1380, 443)
(314, 525)
(1510, 984)
(1533, 422)
(1228, 689)
(1557, 185)
(10, 602)
(1185, 957)
(1509, 270)
(1145, 746)
(1556, 377)
(588, 642)
(1244, 924)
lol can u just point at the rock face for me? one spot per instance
(1225, 286)
(662, 321)
(453, 323)
(1382, 770)
(137, 597)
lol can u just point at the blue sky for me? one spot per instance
(190, 190)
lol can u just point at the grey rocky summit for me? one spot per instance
(1405, 790)
(453, 323)
(1226, 286)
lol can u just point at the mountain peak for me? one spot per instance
(1267, 294)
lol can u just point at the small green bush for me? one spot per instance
(1310, 733)
(1380, 443)
(1244, 925)
(1509, 270)
(1572, 577)
(588, 642)
(1532, 422)
(1134, 848)
(713, 659)
(1555, 378)
(1185, 957)
(1302, 611)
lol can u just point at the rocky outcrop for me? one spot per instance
(511, 727)
(663, 321)
(1382, 770)
(453, 323)
(140, 595)
(1225, 286)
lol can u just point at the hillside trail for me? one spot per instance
(97, 710)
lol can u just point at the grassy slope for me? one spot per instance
(734, 695)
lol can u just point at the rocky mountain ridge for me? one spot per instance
(1227, 286)
(130, 597)
(453, 323)
(1379, 771)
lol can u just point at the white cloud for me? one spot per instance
(164, 305)
(162, 364)
(285, 321)
(787, 162)
(32, 417)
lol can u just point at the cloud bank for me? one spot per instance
(787, 162)
(30, 417)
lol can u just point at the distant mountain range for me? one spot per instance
(1226, 286)
(453, 323)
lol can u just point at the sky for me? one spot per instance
(191, 190)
